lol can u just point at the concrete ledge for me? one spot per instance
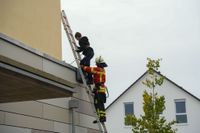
(35, 71)
(20, 85)
(34, 51)
(21, 53)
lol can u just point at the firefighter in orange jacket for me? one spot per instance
(99, 77)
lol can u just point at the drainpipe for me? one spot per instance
(73, 104)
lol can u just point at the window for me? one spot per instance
(128, 110)
(128, 107)
(181, 116)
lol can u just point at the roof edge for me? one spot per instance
(35, 51)
(141, 77)
(126, 90)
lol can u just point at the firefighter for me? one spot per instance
(99, 77)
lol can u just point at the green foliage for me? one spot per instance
(153, 65)
(153, 106)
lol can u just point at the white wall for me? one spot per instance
(115, 113)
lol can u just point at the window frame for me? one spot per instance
(180, 114)
(124, 103)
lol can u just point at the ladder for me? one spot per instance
(77, 56)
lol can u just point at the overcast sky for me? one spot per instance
(126, 32)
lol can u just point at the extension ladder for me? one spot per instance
(77, 59)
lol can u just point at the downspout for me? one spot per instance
(73, 104)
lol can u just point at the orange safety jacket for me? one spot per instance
(99, 74)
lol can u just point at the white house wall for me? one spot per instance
(172, 92)
(115, 112)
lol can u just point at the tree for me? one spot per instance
(153, 106)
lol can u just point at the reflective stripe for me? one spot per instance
(99, 74)
(102, 113)
(101, 89)
(97, 71)
(98, 112)
(100, 77)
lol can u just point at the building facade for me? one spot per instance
(180, 106)
(39, 93)
(36, 23)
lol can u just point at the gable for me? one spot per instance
(167, 84)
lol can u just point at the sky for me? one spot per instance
(127, 32)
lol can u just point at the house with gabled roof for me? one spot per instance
(181, 106)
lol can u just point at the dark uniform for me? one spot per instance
(88, 53)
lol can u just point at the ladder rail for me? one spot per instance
(77, 59)
(76, 55)
(70, 36)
